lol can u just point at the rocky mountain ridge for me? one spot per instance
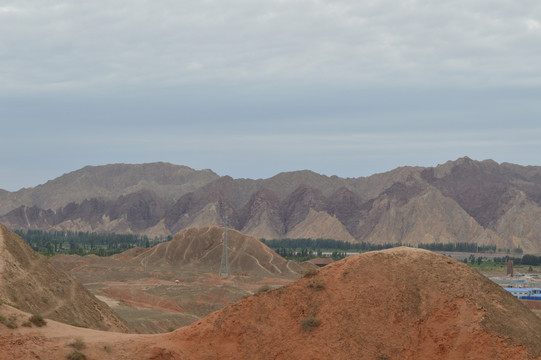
(459, 201)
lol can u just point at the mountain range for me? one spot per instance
(459, 201)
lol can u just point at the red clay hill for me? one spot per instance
(395, 304)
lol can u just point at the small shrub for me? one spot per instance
(78, 344)
(310, 272)
(37, 320)
(2, 319)
(171, 328)
(27, 324)
(76, 355)
(264, 288)
(318, 285)
(12, 324)
(107, 348)
(310, 323)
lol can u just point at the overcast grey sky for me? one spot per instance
(254, 88)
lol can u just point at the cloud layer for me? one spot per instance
(251, 88)
(82, 46)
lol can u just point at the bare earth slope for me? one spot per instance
(30, 282)
(201, 248)
(194, 249)
(144, 279)
(395, 304)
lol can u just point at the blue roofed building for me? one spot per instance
(525, 293)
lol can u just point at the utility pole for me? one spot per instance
(224, 267)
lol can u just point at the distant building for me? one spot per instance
(525, 293)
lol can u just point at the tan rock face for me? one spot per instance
(427, 218)
(30, 282)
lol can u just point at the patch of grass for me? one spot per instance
(76, 355)
(310, 323)
(78, 344)
(318, 285)
(310, 273)
(37, 320)
(264, 288)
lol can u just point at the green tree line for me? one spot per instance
(458, 247)
(82, 243)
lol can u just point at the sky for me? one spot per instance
(254, 88)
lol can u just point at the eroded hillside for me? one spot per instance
(30, 282)
(401, 303)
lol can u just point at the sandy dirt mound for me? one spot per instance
(395, 304)
(202, 248)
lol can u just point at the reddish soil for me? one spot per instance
(140, 299)
(395, 304)
(532, 304)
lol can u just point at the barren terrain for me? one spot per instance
(395, 304)
(176, 283)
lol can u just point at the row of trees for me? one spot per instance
(459, 247)
(531, 260)
(81, 243)
(325, 245)
(306, 249)
(68, 242)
